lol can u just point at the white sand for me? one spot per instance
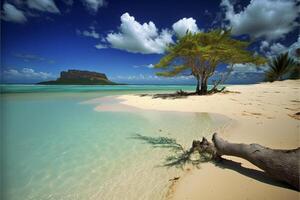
(264, 114)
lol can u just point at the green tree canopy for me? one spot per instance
(201, 53)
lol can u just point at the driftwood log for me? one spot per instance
(282, 165)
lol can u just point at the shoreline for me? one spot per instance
(264, 114)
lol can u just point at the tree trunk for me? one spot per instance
(221, 81)
(282, 165)
(203, 90)
(198, 85)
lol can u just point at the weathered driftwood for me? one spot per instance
(282, 165)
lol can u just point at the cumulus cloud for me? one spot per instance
(243, 73)
(19, 10)
(150, 66)
(251, 73)
(92, 34)
(154, 77)
(185, 24)
(294, 49)
(89, 33)
(264, 45)
(271, 19)
(100, 46)
(150, 79)
(93, 5)
(276, 48)
(43, 5)
(25, 75)
(247, 68)
(12, 14)
(271, 49)
(139, 38)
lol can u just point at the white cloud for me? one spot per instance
(247, 68)
(145, 77)
(150, 66)
(185, 24)
(12, 14)
(94, 5)
(294, 49)
(248, 71)
(139, 38)
(243, 73)
(89, 33)
(100, 46)
(277, 48)
(271, 49)
(264, 45)
(43, 5)
(25, 74)
(271, 19)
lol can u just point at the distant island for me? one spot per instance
(80, 77)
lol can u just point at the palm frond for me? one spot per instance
(280, 67)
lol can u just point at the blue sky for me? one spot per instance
(123, 39)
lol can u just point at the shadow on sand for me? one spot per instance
(257, 175)
(180, 94)
(177, 95)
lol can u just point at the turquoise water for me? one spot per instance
(90, 88)
(56, 146)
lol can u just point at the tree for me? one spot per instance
(201, 53)
(282, 67)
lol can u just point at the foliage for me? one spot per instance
(295, 72)
(180, 156)
(201, 53)
(282, 67)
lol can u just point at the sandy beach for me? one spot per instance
(263, 113)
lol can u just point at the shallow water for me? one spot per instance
(55, 146)
(13, 88)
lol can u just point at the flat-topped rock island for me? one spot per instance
(80, 77)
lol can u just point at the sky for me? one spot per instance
(124, 39)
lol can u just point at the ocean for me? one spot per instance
(55, 145)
